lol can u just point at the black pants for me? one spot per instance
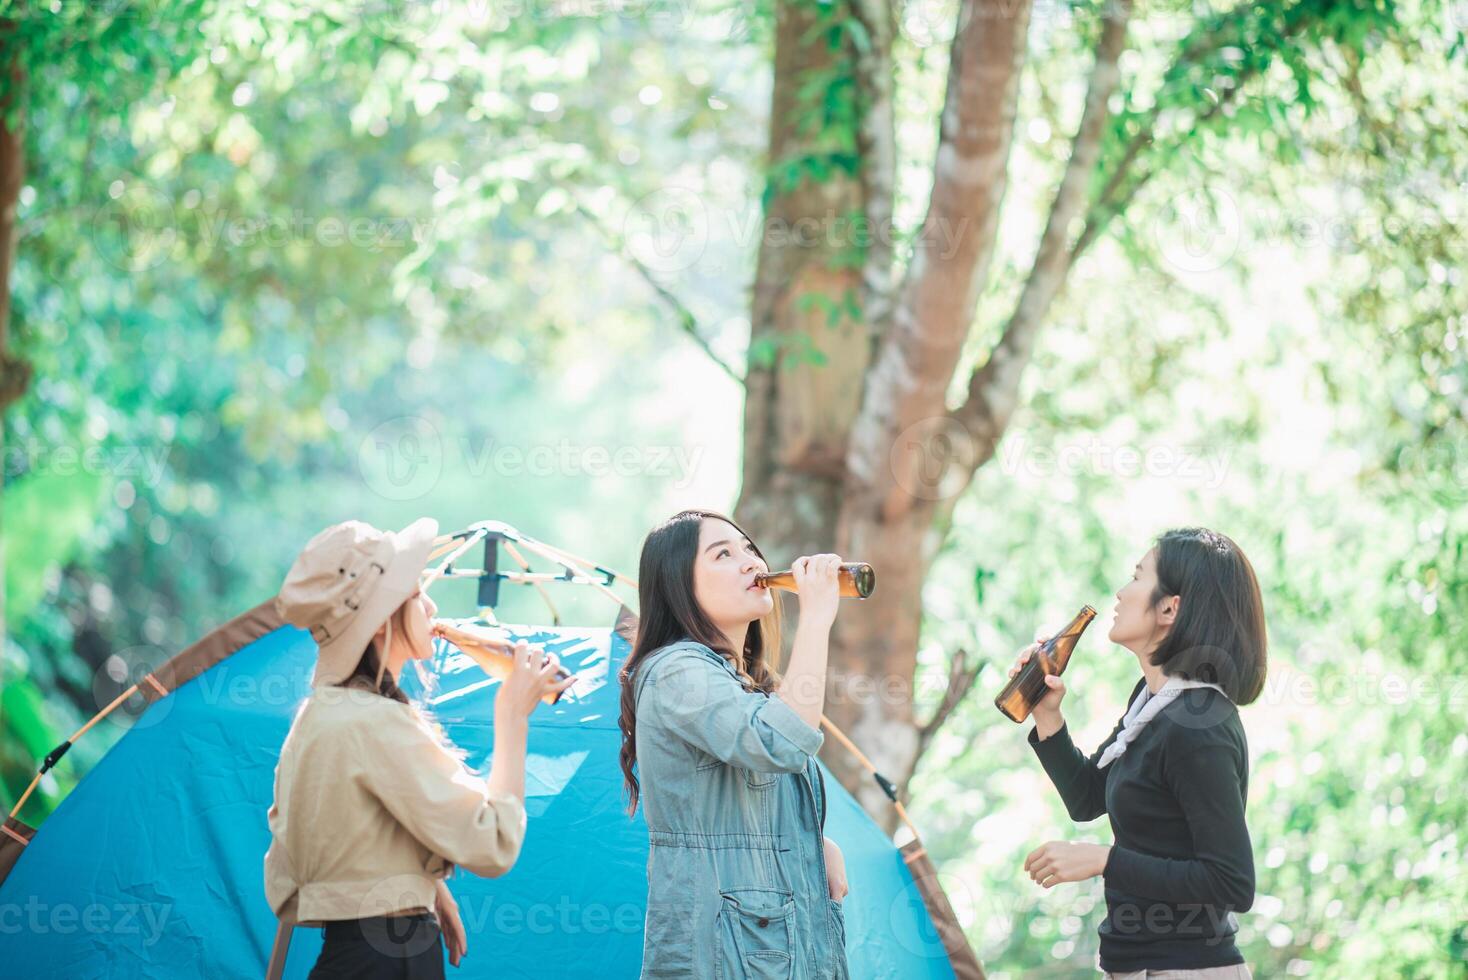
(398, 947)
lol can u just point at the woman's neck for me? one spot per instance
(1153, 674)
(736, 635)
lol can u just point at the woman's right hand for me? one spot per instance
(530, 679)
(1048, 707)
(818, 586)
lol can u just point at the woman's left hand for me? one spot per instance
(1060, 861)
(835, 870)
(452, 927)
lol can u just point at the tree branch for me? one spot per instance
(994, 389)
(916, 358)
(1113, 199)
(1206, 39)
(877, 141)
(1106, 208)
(687, 322)
(961, 679)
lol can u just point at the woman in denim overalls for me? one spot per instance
(741, 882)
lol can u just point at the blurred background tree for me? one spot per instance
(279, 264)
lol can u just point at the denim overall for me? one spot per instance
(734, 803)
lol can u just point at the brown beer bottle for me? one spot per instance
(856, 580)
(489, 651)
(1026, 688)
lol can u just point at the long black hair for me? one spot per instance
(669, 612)
(1219, 634)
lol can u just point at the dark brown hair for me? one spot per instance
(669, 613)
(1218, 636)
(364, 677)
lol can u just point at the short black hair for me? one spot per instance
(1219, 635)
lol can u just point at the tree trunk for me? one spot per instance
(843, 366)
(889, 496)
(829, 170)
(856, 448)
(993, 390)
(14, 373)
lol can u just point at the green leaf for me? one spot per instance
(23, 720)
(981, 576)
(44, 517)
(764, 351)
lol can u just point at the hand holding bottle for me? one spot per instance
(816, 583)
(1034, 682)
(1046, 712)
(532, 676)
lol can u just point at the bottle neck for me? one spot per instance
(1063, 644)
(778, 580)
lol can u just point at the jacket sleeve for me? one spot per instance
(281, 889)
(1205, 781)
(1081, 785)
(700, 702)
(449, 809)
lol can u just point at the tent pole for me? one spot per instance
(544, 595)
(961, 957)
(61, 749)
(882, 781)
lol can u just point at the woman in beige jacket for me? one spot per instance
(372, 809)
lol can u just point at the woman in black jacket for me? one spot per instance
(1173, 777)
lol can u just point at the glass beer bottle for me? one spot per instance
(856, 580)
(1026, 688)
(491, 652)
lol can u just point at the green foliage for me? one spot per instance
(45, 517)
(174, 305)
(1327, 439)
(829, 101)
(26, 736)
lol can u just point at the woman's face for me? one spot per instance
(1138, 624)
(723, 576)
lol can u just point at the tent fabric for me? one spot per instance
(181, 668)
(152, 866)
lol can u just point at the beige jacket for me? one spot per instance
(370, 810)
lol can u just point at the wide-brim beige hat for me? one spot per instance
(347, 582)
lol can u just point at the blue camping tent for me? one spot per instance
(152, 866)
